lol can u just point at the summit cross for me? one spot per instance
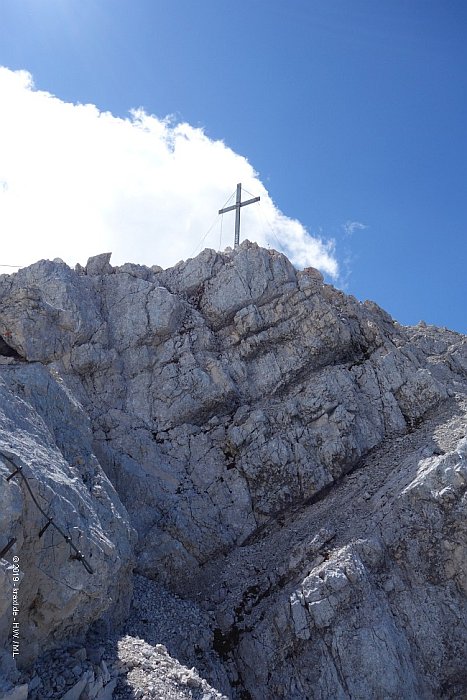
(237, 206)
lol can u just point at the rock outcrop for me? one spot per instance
(46, 433)
(291, 459)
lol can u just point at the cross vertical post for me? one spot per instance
(237, 206)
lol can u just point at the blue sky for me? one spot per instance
(353, 115)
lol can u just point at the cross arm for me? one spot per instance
(250, 201)
(240, 204)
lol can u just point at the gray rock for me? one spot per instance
(75, 692)
(46, 432)
(19, 692)
(290, 458)
(99, 265)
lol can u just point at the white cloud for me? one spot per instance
(75, 182)
(351, 226)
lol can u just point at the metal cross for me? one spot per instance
(238, 204)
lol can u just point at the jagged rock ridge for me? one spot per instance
(227, 400)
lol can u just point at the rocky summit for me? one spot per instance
(227, 479)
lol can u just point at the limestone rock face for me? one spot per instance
(227, 400)
(45, 432)
(370, 606)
